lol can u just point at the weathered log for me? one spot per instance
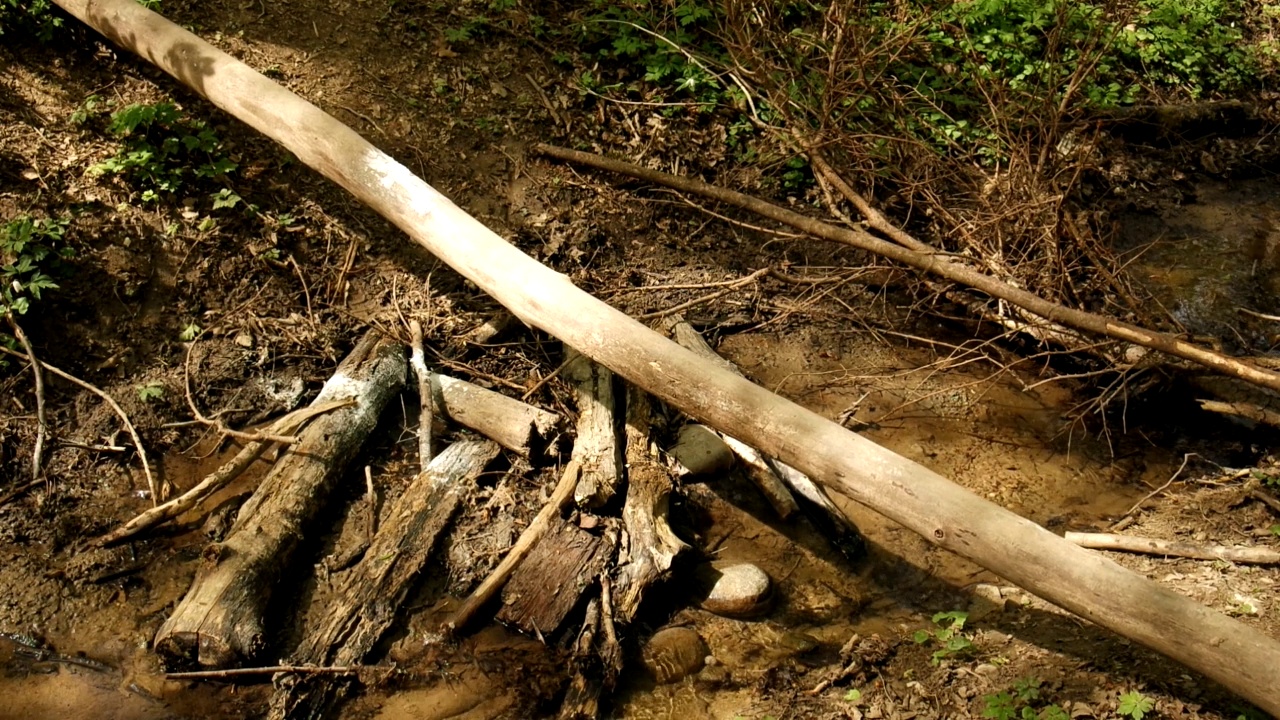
(562, 566)
(950, 516)
(596, 445)
(367, 598)
(516, 426)
(1176, 548)
(219, 623)
(650, 546)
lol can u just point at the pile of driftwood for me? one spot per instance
(905, 492)
(579, 572)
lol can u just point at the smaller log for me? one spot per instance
(596, 660)
(426, 398)
(369, 596)
(516, 426)
(561, 568)
(596, 445)
(650, 546)
(219, 623)
(1176, 548)
(492, 584)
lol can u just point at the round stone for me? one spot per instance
(738, 591)
(700, 451)
(674, 653)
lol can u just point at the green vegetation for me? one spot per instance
(38, 18)
(1023, 702)
(165, 153)
(1135, 705)
(949, 636)
(150, 392)
(32, 251)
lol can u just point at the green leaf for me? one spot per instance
(853, 695)
(1135, 705)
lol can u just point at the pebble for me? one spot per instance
(674, 653)
(738, 591)
(700, 451)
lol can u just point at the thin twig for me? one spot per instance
(42, 427)
(137, 441)
(706, 298)
(270, 670)
(1185, 458)
(19, 491)
(492, 584)
(217, 425)
(418, 359)
(218, 478)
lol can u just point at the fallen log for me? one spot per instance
(1176, 548)
(951, 517)
(368, 597)
(519, 427)
(595, 445)
(219, 622)
(650, 546)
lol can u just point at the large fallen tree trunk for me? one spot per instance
(220, 621)
(1079, 580)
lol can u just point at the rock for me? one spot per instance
(736, 591)
(700, 451)
(674, 653)
(985, 600)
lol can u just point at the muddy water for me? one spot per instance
(1213, 258)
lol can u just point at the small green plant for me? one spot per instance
(853, 695)
(163, 152)
(1021, 704)
(190, 332)
(31, 251)
(150, 392)
(37, 18)
(1135, 705)
(949, 636)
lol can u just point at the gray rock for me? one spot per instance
(700, 451)
(737, 591)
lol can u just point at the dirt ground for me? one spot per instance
(281, 303)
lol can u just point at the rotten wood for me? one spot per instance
(369, 596)
(560, 569)
(516, 426)
(1176, 548)
(650, 546)
(219, 622)
(596, 444)
(541, 523)
(952, 517)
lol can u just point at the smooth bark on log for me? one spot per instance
(649, 546)
(1176, 548)
(596, 445)
(219, 623)
(368, 597)
(516, 426)
(921, 500)
(562, 566)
